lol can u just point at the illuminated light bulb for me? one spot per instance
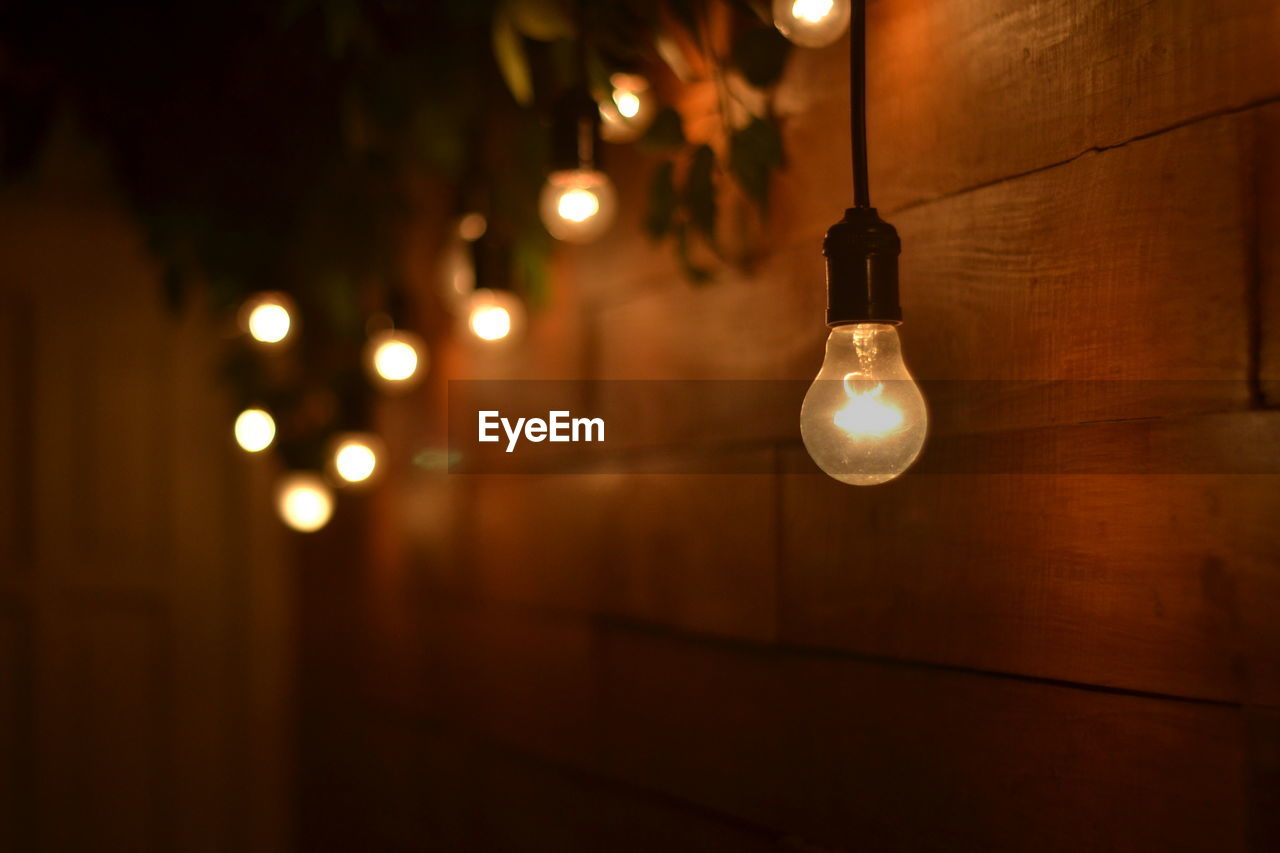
(267, 317)
(255, 429)
(471, 226)
(397, 358)
(577, 206)
(629, 109)
(812, 23)
(495, 315)
(355, 457)
(304, 501)
(864, 418)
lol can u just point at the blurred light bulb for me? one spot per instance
(864, 419)
(304, 501)
(267, 317)
(355, 456)
(255, 429)
(577, 206)
(629, 109)
(471, 226)
(396, 358)
(812, 23)
(494, 315)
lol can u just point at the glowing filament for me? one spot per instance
(866, 413)
(255, 429)
(355, 461)
(304, 502)
(578, 205)
(491, 322)
(395, 360)
(811, 11)
(628, 103)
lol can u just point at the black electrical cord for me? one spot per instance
(858, 102)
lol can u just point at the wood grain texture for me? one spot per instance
(858, 756)
(1265, 244)
(1080, 273)
(1157, 582)
(965, 93)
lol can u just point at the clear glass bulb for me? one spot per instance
(629, 109)
(304, 501)
(495, 315)
(864, 420)
(812, 23)
(578, 205)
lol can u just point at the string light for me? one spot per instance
(268, 317)
(396, 358)
(578, 205)
(303, 501)
(255, 430)
(629, 109)
(495, 315)
(355, 458)
(812, 23)
(864, 419)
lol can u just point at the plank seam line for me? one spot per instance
(1093, 149)
(889, 661)
(603, 622)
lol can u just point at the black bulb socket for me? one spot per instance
(862, 269)
(575, 132)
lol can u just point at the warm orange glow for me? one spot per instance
(304, 502)
(255, 429)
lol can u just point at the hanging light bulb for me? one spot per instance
(579, 205)
(578, 202)
(255, 429)
(864, 419)
(304, 502)
(459, 268)
(495, 314)
(629, 108)
(268, 317)
(355, 458)
(396, 358)
(811, 23)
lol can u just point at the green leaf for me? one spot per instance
(541, 20)
(513, 62)
(700, 193)
(665, 134)
(662, 201)
(754, 152)
(760, 54)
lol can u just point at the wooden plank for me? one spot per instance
(16, 715)
(102, 734)
(969, 92)
(1159, 581)
(1264, 293)
(1081, 273)
(521, 679)
(863, 756)
(696, 550)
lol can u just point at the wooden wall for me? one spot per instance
(1086, 190)
(145, 612)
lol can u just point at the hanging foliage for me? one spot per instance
(276, 145)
